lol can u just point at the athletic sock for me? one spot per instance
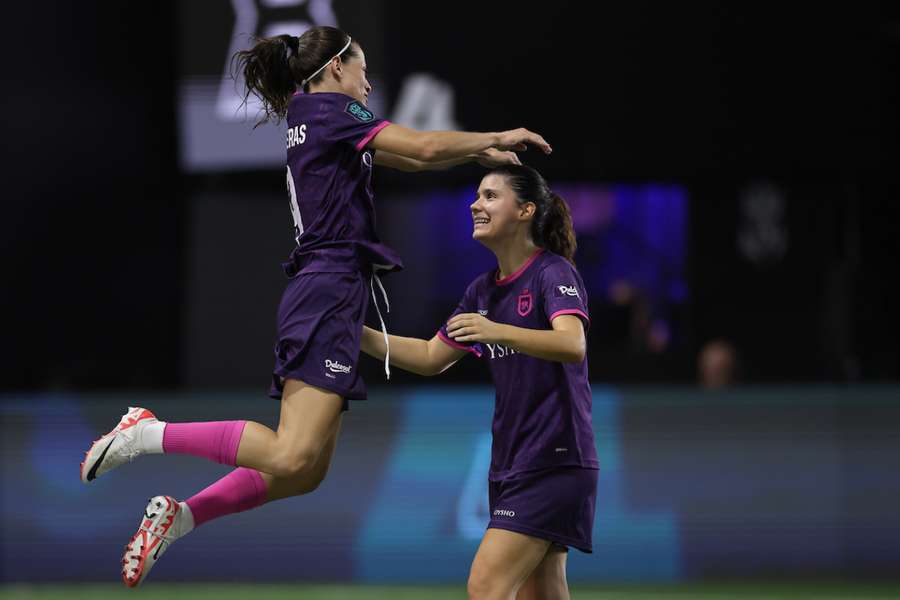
(240, 490)
(216, 440)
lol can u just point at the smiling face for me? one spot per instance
(497, 214)
(352, 77)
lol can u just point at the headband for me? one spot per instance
(319, 70)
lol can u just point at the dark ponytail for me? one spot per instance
(551, 227)
(556, 231)
(275, 67)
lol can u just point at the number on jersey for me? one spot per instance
(295, 207)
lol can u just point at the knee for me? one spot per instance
(305, 484)
(292, 465)
(479, 585)
(313, 480)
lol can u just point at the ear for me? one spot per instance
(337, 67)
(526, 211)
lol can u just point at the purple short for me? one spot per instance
(552, 504)
(320, 322)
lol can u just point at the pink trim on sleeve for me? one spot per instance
(570, 311)
(372, 133)
(457, 345)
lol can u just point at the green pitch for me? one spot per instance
(706, 591)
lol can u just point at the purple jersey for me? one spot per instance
(329, 178)
(542, 414)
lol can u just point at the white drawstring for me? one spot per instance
(387, 304)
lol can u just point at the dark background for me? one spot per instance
(96, 233)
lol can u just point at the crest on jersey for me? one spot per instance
(359, 112)
(525, 303)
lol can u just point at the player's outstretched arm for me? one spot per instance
(440, 146)
(489, 159)
(422, 357)
(564, 343)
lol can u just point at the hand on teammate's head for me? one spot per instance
(519, 139)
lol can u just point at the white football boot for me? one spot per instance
(121, 445)
(164, 521)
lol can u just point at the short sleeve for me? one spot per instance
(466, 305)
(351, 122)
(563, 292)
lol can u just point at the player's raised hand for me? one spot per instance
(519, 140)
(492, 157)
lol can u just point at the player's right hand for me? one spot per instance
(492, 157)
(517, 140)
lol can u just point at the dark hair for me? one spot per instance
(275, 67)
(552, 224)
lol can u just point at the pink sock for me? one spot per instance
(215, 440)
(240, 490)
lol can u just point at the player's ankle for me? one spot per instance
(186, 522)
(151, 441)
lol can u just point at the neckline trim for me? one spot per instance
(510, 278)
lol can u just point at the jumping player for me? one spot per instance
(527, 320)
(318, 84)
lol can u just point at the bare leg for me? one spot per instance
(310, 417)
(548, 580)
(306, 482)
(504, 561)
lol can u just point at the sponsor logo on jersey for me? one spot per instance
(367, 159)
(499, 350)
(525, 303)
(336, 367)
(359, 112)
(502, 512)
(483, 313)
(568, 290)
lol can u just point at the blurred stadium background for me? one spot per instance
(733, 176)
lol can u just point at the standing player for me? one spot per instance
(318, 84)
(527, 319)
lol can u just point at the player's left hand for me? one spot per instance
(472, 327)
(492, 157)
